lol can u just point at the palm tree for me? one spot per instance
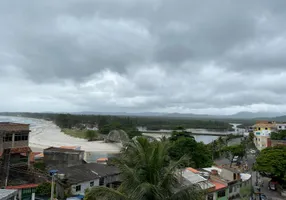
(148, 174)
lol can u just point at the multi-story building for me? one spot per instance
(14, 148)
(281, 126)
(218, 183)
(262, 131)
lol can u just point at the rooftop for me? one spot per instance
(192, 177)
(62, 150)
(245, 177)
(218, 185)
(209, 169)
(25, 186)
(7, 194)
(192, 170)
(87, 172)
(9, 126)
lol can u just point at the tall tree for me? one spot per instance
(235, 150)
(198, 154)
(148, 174)
(272, 161)
(91, 135)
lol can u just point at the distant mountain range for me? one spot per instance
(239, 115)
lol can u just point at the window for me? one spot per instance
(91, 184)
(78, 188)
(7, 138)
(21, 136)
(259, 128)
(211, 197)
(221, 193)
(230, 189)
(266, 128)
(101, 181)
(280, 127)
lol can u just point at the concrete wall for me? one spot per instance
(84, 186)
(274, 143)
(1, 142)
(111, 179)
(63, 159)
(281, 126)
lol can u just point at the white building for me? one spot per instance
(281, 126)
(77, 179)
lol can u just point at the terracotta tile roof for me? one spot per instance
(102, 159)
(21, 150)
(32, 156)
(193, 170)
(68, 147)
(218, 185)
(22, 186)
(8, 126)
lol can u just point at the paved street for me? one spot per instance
(273, 195)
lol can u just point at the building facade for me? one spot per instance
(219, 183)
(281, 126)
(24, 192)
(71, 181)
(62, 157)
(262, 131)
(13, 135)
(14, 148)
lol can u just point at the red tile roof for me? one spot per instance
(193, 170)
(21, 150)
(8, 126)
(22, 186)
(218, 185)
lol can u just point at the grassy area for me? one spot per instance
(75, 133)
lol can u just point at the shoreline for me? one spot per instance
(46, 134)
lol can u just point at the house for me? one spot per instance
(215, 189)
(273, 143)
(281, 126)
(75, 180)
(219, 183)
(230, 177)
(8, 194)
(24, 191)
(62, 157)
(262, 131)
(14, 148)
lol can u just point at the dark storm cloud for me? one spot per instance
(160, 55)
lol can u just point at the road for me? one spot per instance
(273, 195)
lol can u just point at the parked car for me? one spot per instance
(235, 159)
(272, 185)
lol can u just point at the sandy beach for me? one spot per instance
(45, 134)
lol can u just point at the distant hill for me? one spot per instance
(239, 115)
(251, 115)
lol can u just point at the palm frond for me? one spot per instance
(190, 192)
(105, 193)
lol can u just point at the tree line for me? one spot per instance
(151, 123)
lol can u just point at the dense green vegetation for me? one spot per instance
(280, 135)
(235, 150)
(272, 161)
(148, 173)
(44, 189)
(198, 154)
(76, 133)
(106, 122)
(91, 135)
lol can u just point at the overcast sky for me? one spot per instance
(215, 57)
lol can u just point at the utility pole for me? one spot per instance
(52, 187)
(53, 173)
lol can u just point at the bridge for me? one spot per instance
(209, 133)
